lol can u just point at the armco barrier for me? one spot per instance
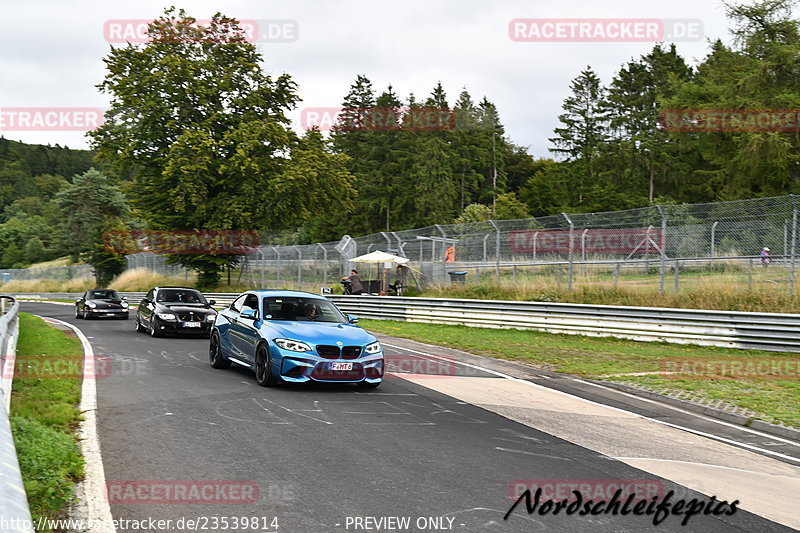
(731, 329)
(13, 501)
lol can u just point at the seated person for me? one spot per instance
(311, 311)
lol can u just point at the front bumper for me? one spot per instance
(107, 313)
(302, 367)
(177, 328)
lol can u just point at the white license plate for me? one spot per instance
(341, 366)
(191, 324)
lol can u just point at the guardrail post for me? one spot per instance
(571, 247)
(663, 249)
(496, 250)
(794, 243)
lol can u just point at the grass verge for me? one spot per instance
(610, 359)
(44, 417)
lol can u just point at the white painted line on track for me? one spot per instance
(617, 409)
(96, 505)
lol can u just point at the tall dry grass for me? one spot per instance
(722, 295)
(47, 285)
(142, 280)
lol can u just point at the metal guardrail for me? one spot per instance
(14, 510)
(730, 329)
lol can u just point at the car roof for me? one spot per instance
(285, 293)
(182, 288)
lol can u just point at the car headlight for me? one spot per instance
(375, 347)
(124, 305)
(91, 305)
(210, 318)
(166, 316)
(293, 346)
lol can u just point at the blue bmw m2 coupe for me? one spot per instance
(294, 336)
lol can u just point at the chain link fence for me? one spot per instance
(670, 245)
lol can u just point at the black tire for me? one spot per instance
(263, 365)
(154, 327)
(77, 314)
(215, 353)
(368, 386)
(139, 327)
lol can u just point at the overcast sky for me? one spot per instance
(51, 51)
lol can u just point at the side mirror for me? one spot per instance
(124, 297)
(352, 318)
(249, 314)
(78, 300)
(212, 302)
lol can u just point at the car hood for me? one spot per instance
(317, 332)
(178, 308)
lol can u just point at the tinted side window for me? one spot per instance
(250, 302)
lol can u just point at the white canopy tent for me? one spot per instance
(378, 257)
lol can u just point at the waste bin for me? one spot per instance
(459, 276)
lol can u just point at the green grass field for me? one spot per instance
(44, 416)
(611, 359)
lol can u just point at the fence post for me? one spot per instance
(535, 235)
(277, 264)
(325, 262)
(263, 262)
(713, 238)
(299, 265)
(583, 251)
(750, 275)
(571, 247)
(485, 238)
(496, 250)
(677, 275)
(663, 249)
(616, 275)
(794, 243)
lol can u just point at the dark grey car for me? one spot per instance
(101, 303)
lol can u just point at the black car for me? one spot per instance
(179, 310)
(101, 303)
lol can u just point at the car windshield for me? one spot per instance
(182, 296)
(302, 310)
(103, 295)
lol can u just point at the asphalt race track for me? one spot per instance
(321, 457)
